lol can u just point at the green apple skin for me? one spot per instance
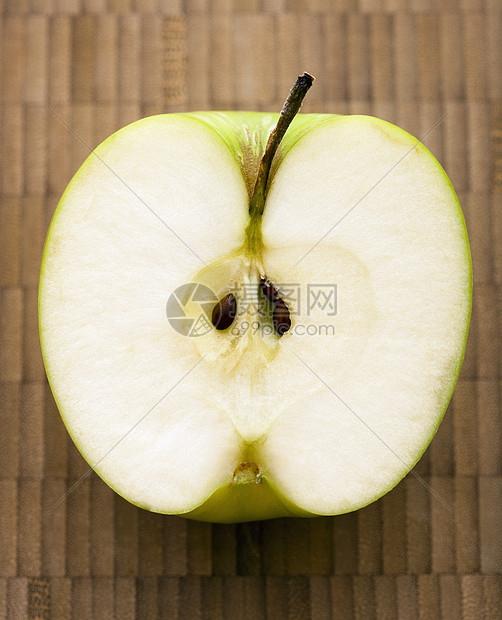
(245, 135)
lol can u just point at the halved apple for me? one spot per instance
(228, 366)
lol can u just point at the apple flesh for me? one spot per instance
(242, 423)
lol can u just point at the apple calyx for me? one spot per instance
(247, 472)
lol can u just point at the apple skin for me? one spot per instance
(245, 134)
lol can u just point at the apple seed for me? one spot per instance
(281, 317)
(224, 312)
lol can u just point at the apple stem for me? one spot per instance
(289, 110)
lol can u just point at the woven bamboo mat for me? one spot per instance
(100, 64)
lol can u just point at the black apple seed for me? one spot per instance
(224, 312)
(281, 317)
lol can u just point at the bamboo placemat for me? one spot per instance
(99, 64)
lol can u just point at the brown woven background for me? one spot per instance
(100, 64)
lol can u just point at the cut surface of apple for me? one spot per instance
(363, 239)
